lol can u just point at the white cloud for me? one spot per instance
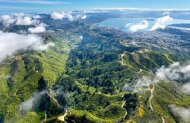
(11, 43)
(186, 88)
(7, 20)
(25, 21)
(19, 19)
(139, 26)
(161, 22)
(67, 15)
(30, 103)
(38, 29)
(183, 113)
(57, 16)
(174, 72)
(166, 13)
(61, 15)
(142, 84)
(128, 25)
(84, 17)
(80, 16)
(36, 16)
(19, 14)
(45, 46)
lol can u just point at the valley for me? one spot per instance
(87, 73)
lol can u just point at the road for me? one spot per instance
(51, 96)
(151, 88)
(124, 108)
(62, 118)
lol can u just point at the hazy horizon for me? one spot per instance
(48, 6)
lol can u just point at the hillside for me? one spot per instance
(86, 73)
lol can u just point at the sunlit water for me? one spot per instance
(125, 23)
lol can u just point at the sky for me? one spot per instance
(47, 6)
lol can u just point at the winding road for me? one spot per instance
(60, 118)
(51, 96)
(151, 88)
(124, 108)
